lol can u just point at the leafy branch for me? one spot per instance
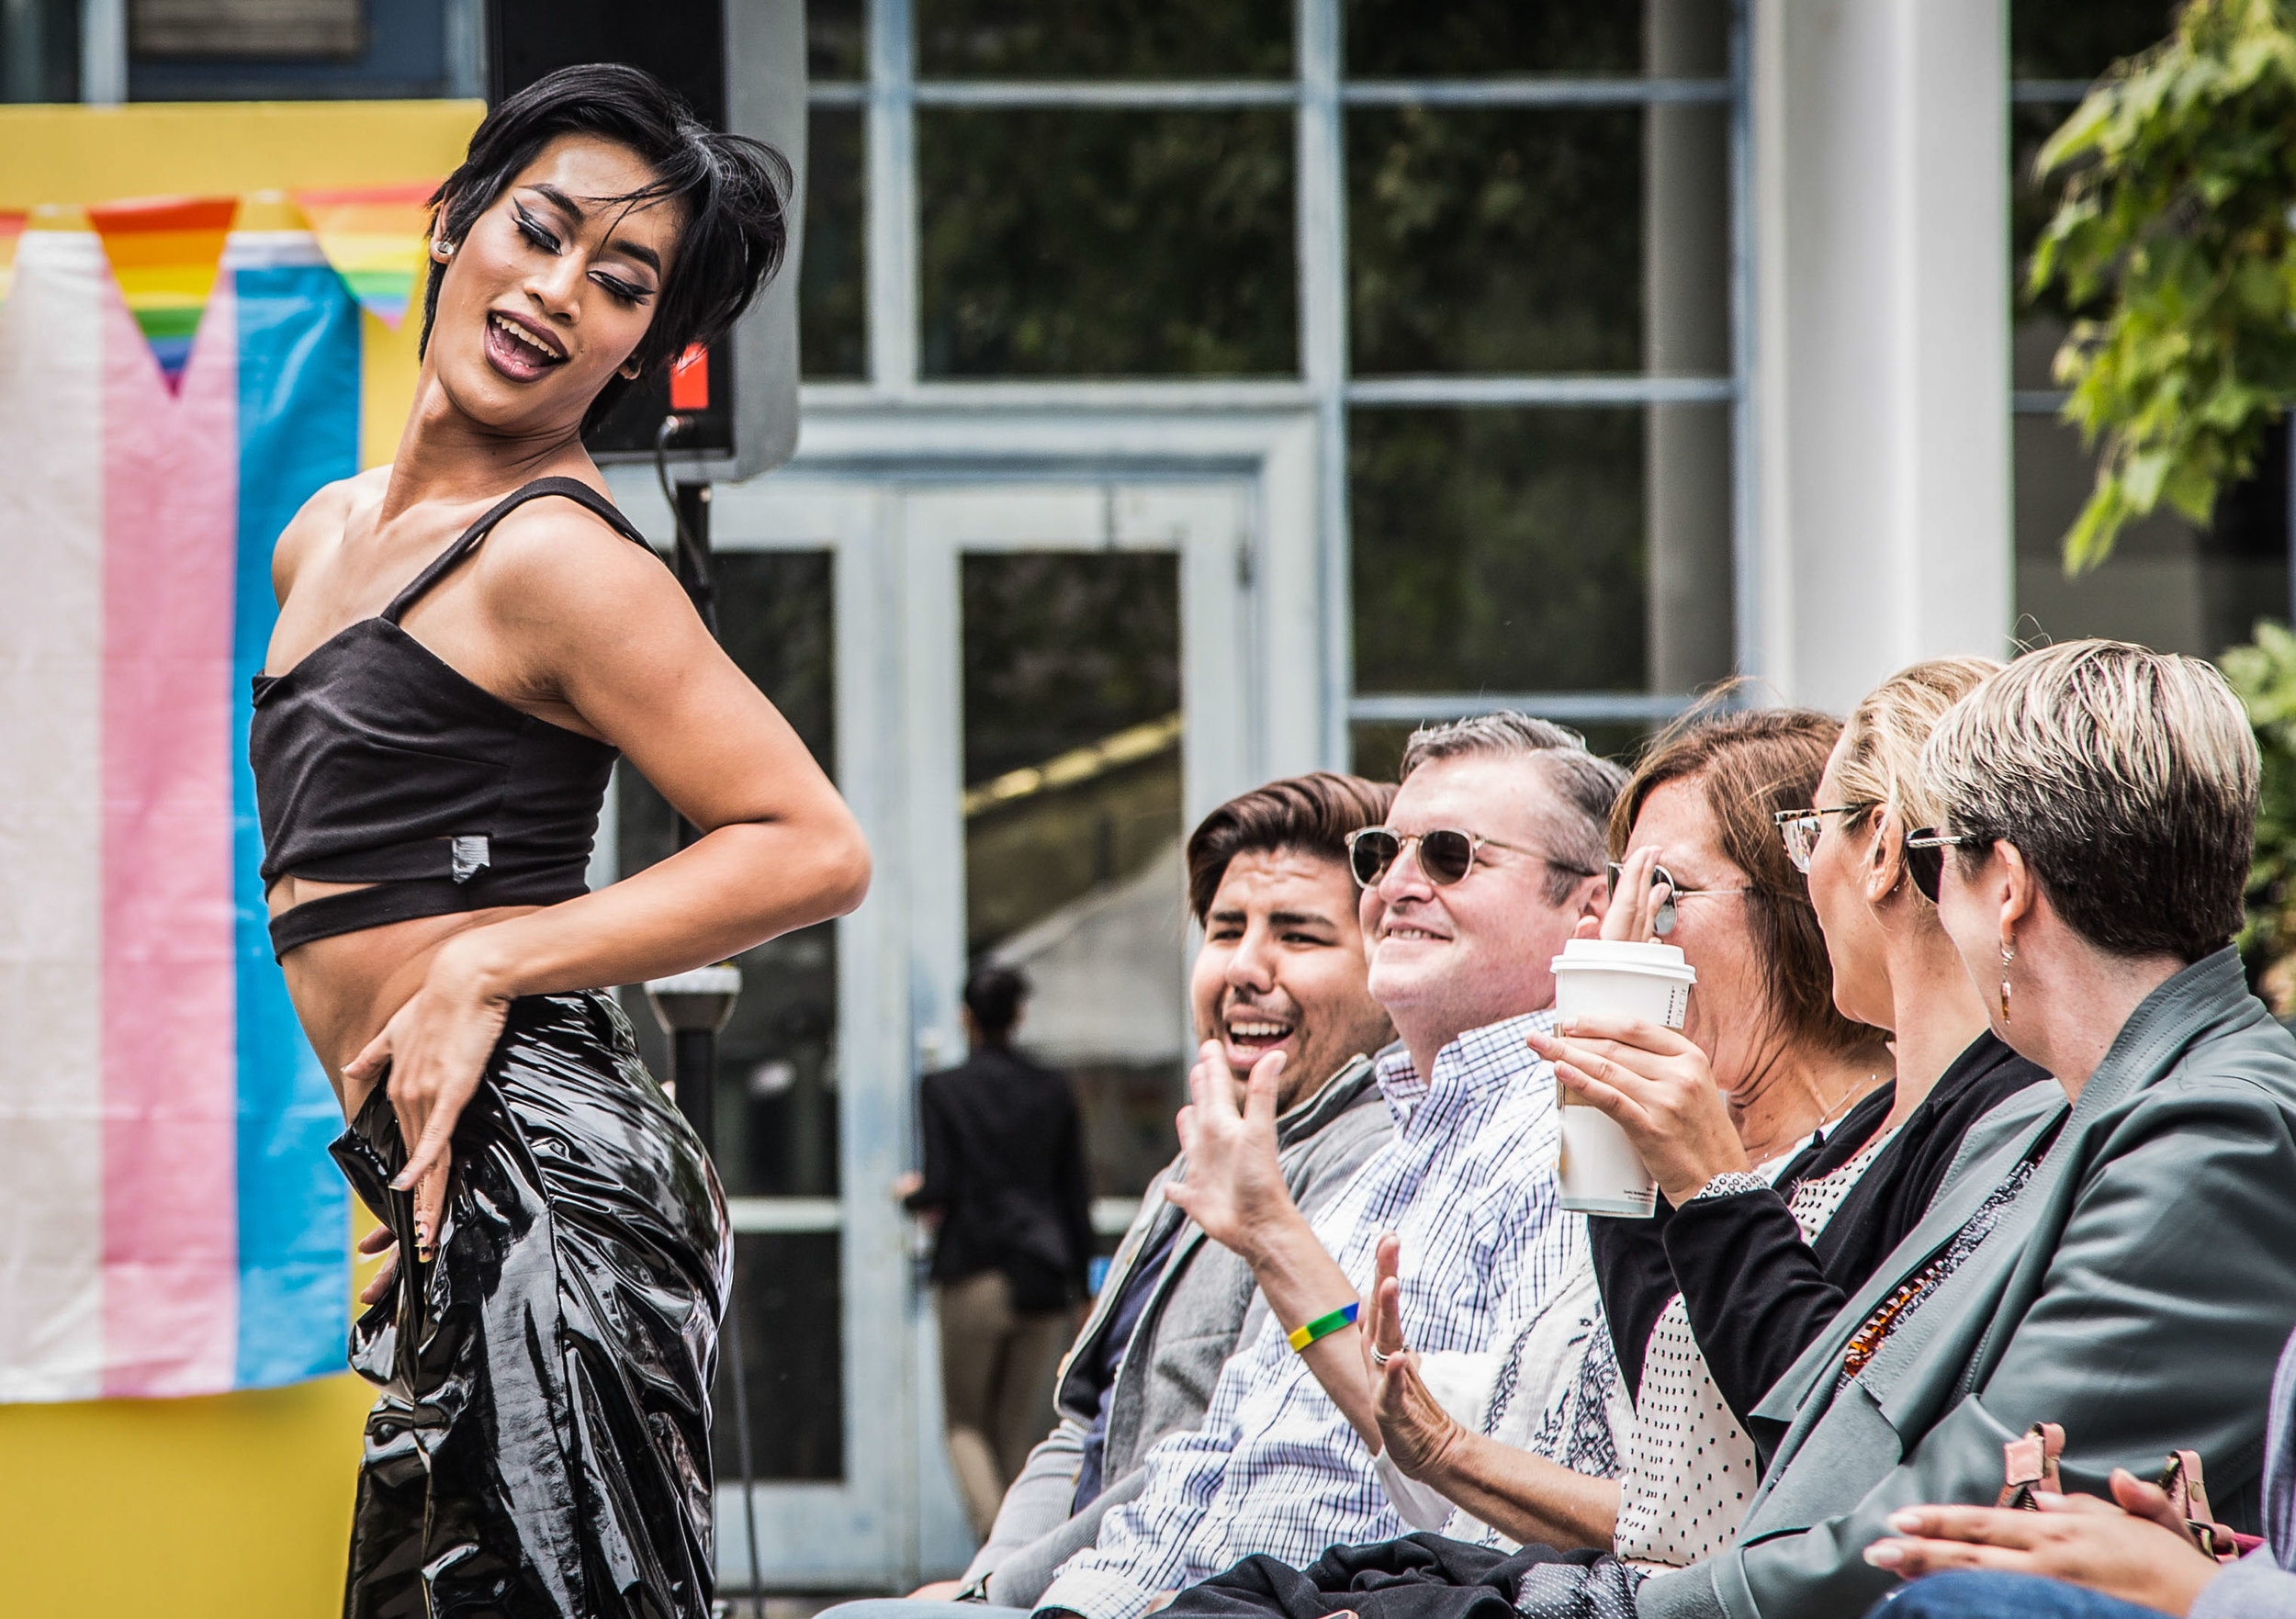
(2173, 228)
(2264, 673)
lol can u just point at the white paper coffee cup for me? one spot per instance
(1600, 1170)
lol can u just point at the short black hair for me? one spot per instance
(993, 995)
(735, 193)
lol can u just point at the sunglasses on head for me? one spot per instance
(1446, 854)
(1925, 857)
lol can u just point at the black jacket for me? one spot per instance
(1757, 1295)
(1005, 1169)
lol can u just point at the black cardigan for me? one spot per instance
(1005, 1168)
(1757, 1295)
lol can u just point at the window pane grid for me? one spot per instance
(1511, 92)
(1699, 377)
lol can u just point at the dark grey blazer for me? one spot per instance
(2138, 1291)
(1202, 1306)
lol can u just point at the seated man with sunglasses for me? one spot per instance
(1491, 854)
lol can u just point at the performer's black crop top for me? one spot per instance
(375, 761)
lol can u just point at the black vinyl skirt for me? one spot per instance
(541, 1449)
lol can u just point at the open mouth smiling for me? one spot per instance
(1256, 1032)
(519, 350)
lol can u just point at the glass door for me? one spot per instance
(1076, 698)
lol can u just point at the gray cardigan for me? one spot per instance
(1201, 1307)
(2138, 1291)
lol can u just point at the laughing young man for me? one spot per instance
(1281, 969)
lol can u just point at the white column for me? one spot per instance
(1882, 366)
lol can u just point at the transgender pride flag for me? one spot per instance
(170, 1222)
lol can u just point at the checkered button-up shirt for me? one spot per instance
(1468, 1182)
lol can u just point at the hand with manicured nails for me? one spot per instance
(2137, 1551)
(1658, 1088)
(1418, 1433)
(1233, 1186)
(435, 1049)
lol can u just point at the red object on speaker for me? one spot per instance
(690, 380)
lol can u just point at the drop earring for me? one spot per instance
(2008, 954)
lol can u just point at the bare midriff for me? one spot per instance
(345, 987)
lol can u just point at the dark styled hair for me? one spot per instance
(1750, 763)
(1585, 786)
(733, 192)
(1312, 814)
(993, 995)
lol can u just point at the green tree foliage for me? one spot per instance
(2174, 221)
(2265, 676)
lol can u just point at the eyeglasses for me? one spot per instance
(1663, 919)
(1446, 854)
(1925, 856)
(1800, 827)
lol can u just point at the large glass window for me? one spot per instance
(2169, 583)
(1060, 241)
(1501, 268)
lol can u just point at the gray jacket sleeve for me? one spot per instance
(1036, 1503)
(2254, 1588)
(2182, 1234)
(1019, 1580)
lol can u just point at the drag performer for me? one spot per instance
(466, 641)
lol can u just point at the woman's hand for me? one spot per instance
(1658, 1086)
(2124, 1551)
(379, 1241)
(1418, 1433)
(1633, 915)
(435, 1049)
(1234, 1184)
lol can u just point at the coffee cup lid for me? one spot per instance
(1617, 952)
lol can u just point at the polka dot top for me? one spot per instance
(1688, 1468)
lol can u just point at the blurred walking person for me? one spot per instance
(1005, 1177)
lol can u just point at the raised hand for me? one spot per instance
(2124, 1550)
(1233, 1186)
(1417, 1433)
(1632, 917)
(1659, 1089)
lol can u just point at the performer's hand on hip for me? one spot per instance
(435, 1050)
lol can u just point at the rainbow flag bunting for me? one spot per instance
(164, 254)
(172, 1224)
(374, 237)
(11, 228)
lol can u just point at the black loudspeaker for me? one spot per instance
(740, 64)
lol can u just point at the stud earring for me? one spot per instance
(2008, 954)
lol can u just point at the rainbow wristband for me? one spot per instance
(1324, 1326)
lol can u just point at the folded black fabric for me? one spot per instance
(1418, 1577)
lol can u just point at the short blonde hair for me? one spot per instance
(2127, 778)
(1880, 746)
